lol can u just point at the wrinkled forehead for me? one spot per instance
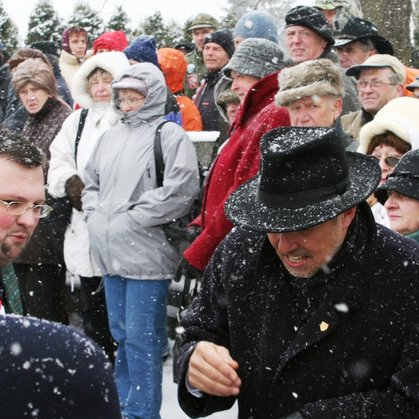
(376, 72)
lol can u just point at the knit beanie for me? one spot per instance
(223, 38)
(37, 72)
(47, 47)
(311, 18)
(255, 57)
(319, 77)
(399, 116)
(111, 41)
(65, 37)
(256, 24)
(143, 49)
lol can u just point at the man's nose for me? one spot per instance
(286, 242)
(28, 219)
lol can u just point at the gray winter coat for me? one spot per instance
(123, 207)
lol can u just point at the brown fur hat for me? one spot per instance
(319, 77)
(36, 72)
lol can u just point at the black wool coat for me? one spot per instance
(342, 344)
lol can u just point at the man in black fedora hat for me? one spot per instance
(307, 308)
(358, 40)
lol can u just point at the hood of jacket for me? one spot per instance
(173, 64)
(112, 62)
(156, 93)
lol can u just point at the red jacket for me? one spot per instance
(237, 162)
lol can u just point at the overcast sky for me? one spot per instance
(177, 10)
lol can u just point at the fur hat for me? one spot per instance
(111, 41)
(305, 179)
(223, 38)
(37, 72)
(311, 18)
(143, 50)
(113, 62)
(256, 24)
(23, 54)
(399, 116)
(319, 77)
(256, 57)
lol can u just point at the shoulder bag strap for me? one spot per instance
(82, 121)
(158, 155)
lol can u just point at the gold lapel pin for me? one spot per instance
(324, 326)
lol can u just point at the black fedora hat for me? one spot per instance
(404, 179)
(305, 179)
(357, 29)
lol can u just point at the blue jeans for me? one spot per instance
(137, 319)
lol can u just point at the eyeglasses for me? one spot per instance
(131, 101)
(17, 209)
(390, 161)
(374, 84)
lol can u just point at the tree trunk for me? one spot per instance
(392, 18)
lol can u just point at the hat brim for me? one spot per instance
(356, 69)
(401, 184)
(413, 86)
(343, 41)
(380, 44)
(244, 209)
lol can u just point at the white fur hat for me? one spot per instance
(113, 62)
(400, 116)
(319, 77)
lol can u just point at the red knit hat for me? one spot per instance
(111, 41)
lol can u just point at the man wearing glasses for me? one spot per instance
(379, 79)
(21, 206)
(50, 369)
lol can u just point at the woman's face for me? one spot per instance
(33, 97)
(130, 100)
(100, 86)
(387, 157)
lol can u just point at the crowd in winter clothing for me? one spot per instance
(100, 114)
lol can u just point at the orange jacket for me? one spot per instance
(173, 65)
(411, 74)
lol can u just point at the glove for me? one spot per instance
(184, 268)
(73, 188)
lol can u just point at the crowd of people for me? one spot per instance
(305, 243)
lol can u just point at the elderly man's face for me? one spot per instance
(215, 56)
(23, 184)
(315, 111)
(305, 252)
(353, 53)
(376, 88)
(403, 213)
(303, 44)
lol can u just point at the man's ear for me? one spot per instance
(348, 216)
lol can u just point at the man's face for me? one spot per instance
(198, 37)
(403, 213)
(305, 252)
(78, 44)
(303, 44)
(353, 53)
(23, 184)
(242, 84)
(373, 98)
(215, 56)
(315, 111)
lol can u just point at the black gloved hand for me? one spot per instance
(73, 188)
(186, 269)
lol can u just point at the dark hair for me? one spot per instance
(16, 148)
(77, 29)
(97, 70)
(391, 140)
